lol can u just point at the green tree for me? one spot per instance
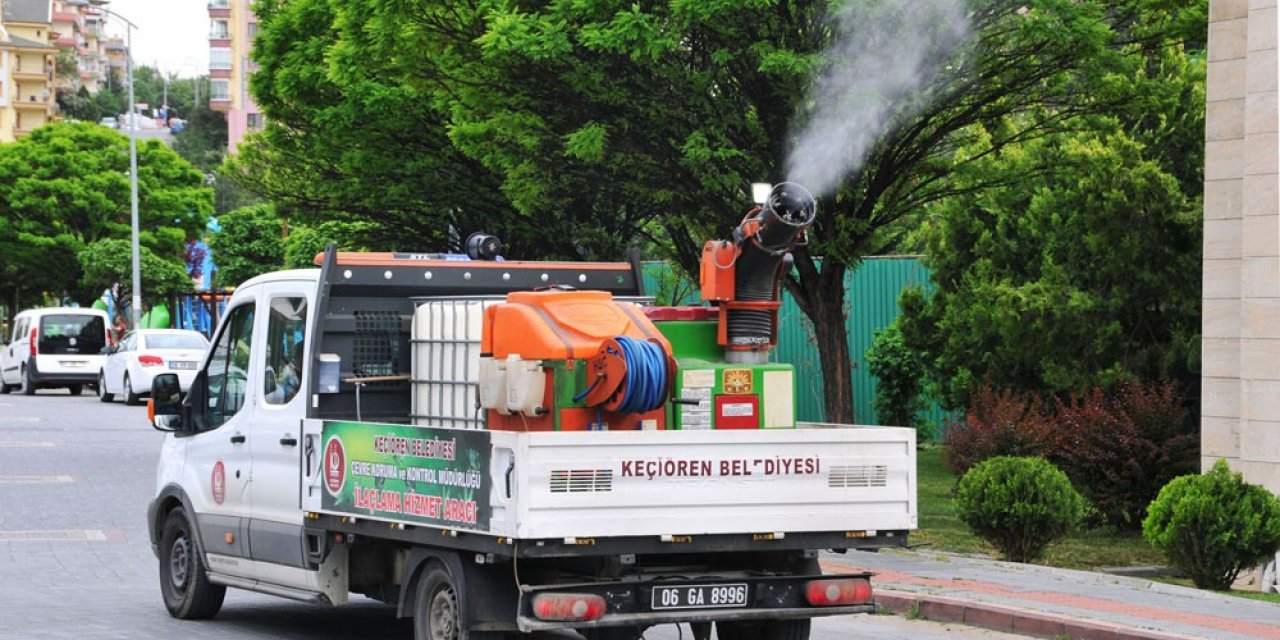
(249, 242)
(108, 264)
(1082, 269)
(900, 376)
(365, 149)
(78, 105)
(305, 241)
(67, 186)
(663, 112)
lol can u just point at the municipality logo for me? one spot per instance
(334, 466)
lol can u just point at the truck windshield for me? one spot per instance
(72, 333)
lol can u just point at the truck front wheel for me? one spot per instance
(768, 630)
(187, 592)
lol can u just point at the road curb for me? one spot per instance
(1011, 619)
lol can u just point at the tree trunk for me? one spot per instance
(821, 296)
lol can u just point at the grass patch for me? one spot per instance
(942, 530)
(1257, 595)
(1250, 595)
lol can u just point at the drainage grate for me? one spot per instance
(581, 480)
(858, 476)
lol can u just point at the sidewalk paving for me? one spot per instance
(1052, 603)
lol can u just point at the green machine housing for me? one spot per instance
(711, 393)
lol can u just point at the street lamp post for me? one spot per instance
(136, 306)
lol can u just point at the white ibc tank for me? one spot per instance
(446, 361)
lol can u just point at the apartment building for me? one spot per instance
(232, 27)
(78, 30)
(26, 67)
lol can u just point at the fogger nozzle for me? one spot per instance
(789, 210)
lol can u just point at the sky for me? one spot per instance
(172, 34)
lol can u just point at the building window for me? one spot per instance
(253, 29)
(218, 30)
(219, 58)
(219, 89)
(253, 121)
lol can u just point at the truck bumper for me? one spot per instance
(633, 602)
(529, 624)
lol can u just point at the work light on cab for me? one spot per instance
(568, 607)
(839, 592)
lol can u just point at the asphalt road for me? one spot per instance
(75, 560)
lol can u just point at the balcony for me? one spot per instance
(219, 4)
(29, 73)
(220, 104)
(33, 103)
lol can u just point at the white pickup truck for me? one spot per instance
(320, 452)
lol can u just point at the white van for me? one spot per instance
(54, 347)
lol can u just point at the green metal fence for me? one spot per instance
(871, 296)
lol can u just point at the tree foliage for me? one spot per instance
(249, 242)
(603, 121)
(1083, 269)
(900, 375)
(363, 148)
(108, 264)
(66, 186)
(1072, 259)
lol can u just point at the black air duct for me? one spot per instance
(787, 212)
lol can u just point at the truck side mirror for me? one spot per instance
(166, 394)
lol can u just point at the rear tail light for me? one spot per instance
(840, 592)
(34, 350)
(568, 607)
(151, 361)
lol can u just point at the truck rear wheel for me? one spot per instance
(766, 630)
(187, 592)
(437, 614)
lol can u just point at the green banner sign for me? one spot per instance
(433, 476)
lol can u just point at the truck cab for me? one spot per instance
(234, 467)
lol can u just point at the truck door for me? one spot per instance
(275, 526)
(218, 460)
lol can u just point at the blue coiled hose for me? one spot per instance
(646, 375)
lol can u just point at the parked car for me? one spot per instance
(54, 347)
(110, 121)
(131, 365)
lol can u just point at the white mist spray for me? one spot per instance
(883, 53)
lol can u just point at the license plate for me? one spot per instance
(71, 364)
(181, 364)
(702, 596)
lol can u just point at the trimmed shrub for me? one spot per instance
(998, 423)
(1019, 505)
(1212, 526)
(1119, 450)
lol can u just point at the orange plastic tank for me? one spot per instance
(561, 325)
